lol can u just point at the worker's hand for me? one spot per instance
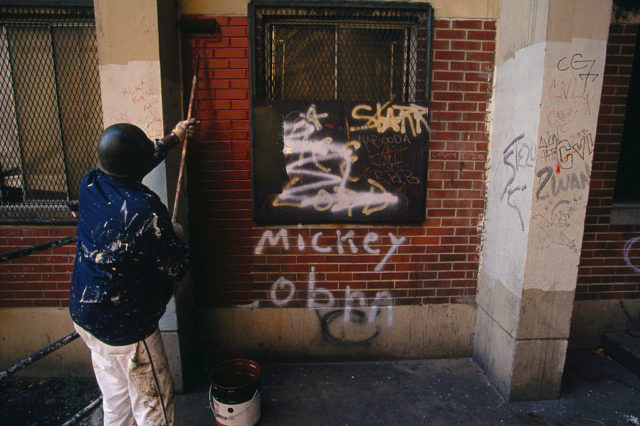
(185, 128)
(178, 229)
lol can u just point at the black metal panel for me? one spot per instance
(340, 162)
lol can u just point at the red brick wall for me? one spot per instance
(435, 262)
(605, 271)
(40, 279)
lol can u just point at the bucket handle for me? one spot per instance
(221, 417)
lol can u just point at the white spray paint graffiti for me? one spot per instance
(283, 290)
(282, 237)
(280, 284)
(627, 254)
(321, 169)
(319, 292)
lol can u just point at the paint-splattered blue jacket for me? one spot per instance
(127, 260)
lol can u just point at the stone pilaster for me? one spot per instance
(548, 78)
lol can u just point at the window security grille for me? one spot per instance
(341, 51)
(50, 110)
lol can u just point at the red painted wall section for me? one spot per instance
(609, 265)
(239, 264)
(41, 279)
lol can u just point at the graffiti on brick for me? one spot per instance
(632, 254)
(351, 326)
(360, 314)
(342, 243)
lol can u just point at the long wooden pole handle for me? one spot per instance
(194, 81)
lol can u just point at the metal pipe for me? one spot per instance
(80, 414)
(38, 247)
(38, 221)
(25, 362)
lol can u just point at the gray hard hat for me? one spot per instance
(125, 151)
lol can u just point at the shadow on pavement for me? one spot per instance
(596, 390)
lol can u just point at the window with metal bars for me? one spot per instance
(318, 69)
(341, 51)
(50, 110)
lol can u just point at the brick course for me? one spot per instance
(41, 279)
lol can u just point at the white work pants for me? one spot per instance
(134, 379)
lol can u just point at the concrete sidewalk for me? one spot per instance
(596, 390)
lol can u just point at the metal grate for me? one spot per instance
(341, 51)
(50, 110)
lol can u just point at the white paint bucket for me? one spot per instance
(234, 395)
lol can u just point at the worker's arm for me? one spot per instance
(185, 128)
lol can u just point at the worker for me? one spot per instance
(129, 256)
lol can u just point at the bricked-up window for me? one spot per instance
(627, 188)
(348, 69)
(50, 109)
